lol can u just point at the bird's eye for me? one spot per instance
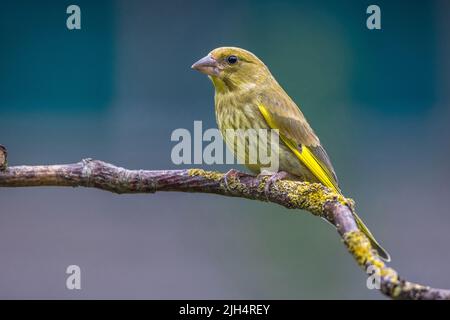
(232, 59)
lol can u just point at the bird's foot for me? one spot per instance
(232, 174)
(280, 175)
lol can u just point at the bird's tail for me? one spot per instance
(382, 253)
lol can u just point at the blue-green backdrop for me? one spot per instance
(117, 88)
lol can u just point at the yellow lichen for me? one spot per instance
(359, 246)
(302, 195)
(210, 175)
(262, 183)
(309, 196)
(233, 183)
(405, 288)
(349, 202)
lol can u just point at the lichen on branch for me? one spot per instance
(312, 197)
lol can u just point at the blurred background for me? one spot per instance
(116, 89)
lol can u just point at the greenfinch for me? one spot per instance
(247, 96)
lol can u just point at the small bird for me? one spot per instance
(247, 96)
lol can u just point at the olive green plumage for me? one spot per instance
(247, 96)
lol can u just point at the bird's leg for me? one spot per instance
(273, 177)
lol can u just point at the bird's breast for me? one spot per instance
(243, 117)
(238, 113)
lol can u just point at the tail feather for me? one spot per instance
(382, 253)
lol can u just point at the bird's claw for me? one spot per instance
(272, 179)
(230, 175)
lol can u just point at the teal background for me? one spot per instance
(116, 89)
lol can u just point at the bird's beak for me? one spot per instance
(207, 65)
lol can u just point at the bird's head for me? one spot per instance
(233, 69)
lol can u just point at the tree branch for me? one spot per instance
(312, 197)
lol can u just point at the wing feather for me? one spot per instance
(312, 156)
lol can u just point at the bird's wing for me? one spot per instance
(281, 113)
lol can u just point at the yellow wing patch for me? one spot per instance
(304, 155)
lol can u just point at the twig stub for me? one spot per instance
(3, 158)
